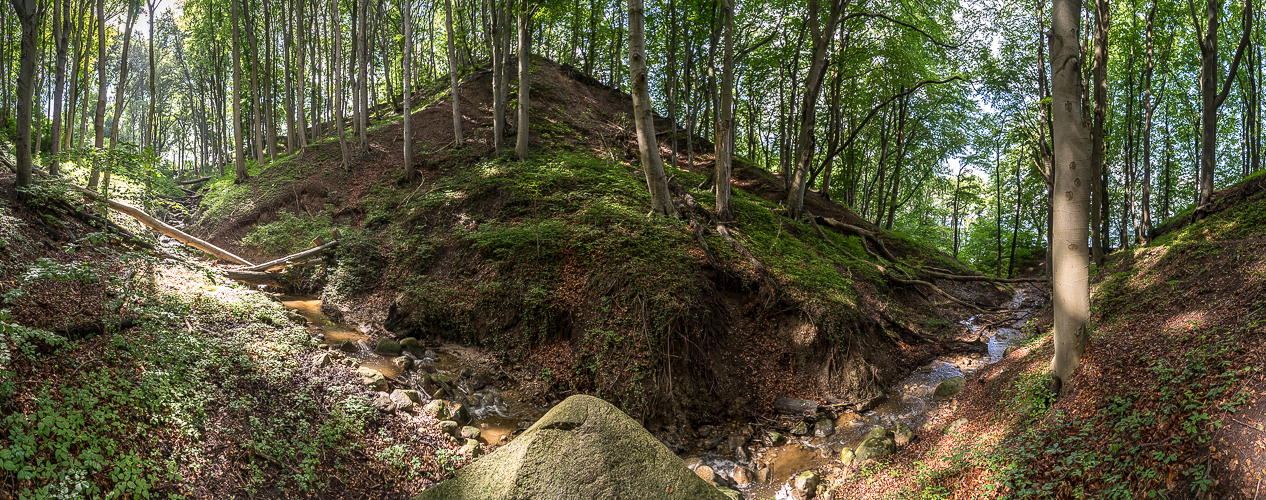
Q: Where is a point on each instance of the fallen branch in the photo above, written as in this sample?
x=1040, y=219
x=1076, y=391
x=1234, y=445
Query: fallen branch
x=290, y=258
x=851, y=229
x=254, y=277
x=163, y=227
x=193, y=181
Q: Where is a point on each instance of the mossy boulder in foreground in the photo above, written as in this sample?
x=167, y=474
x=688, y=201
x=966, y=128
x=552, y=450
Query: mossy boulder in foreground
x=583, y=448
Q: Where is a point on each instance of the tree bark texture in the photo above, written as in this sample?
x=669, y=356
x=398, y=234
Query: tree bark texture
x=1071, y=207
x=643, y=116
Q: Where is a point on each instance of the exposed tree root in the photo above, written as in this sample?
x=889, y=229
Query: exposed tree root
x=885, y=270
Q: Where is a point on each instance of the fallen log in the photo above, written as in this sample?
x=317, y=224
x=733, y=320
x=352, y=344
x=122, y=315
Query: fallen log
x=255, y=277
x=793, y=406
x=163, y=227
x=193, y=181
x=291, y=258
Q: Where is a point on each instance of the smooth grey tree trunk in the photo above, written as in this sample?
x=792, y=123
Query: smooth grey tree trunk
x=808, y=107
x=725, y=119
x=1211, y=99
x=98, y=122
x=1071, y=209
x=452, y=73
x=239, y=158
x=28, y=18
x=643, y=116
x=525, y=59
x=406, y=60
x=1103, y=23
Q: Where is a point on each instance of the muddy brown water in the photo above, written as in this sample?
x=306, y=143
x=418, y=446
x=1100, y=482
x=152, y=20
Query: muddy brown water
x=501, y=413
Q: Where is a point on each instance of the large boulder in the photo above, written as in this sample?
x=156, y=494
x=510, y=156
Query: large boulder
x=583, y=448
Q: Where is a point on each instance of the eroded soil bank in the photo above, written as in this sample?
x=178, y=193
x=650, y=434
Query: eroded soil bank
x=758, y=456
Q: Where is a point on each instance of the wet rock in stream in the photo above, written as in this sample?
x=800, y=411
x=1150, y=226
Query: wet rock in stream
x=878, y=443
x=372, y=378
x=950, y=387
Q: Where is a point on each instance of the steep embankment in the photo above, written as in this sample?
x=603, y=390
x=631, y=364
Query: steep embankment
x=553, y=265
x=1170, y=399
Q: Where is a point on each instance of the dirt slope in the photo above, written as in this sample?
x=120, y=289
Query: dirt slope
x=1170, y=399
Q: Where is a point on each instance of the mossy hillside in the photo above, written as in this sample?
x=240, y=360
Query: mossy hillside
x=514, y=255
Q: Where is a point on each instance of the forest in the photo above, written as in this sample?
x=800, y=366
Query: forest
x=782, y=249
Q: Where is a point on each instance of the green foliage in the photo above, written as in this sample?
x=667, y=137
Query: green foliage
x=290, y=233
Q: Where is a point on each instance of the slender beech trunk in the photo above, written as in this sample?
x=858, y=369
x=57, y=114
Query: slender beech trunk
x=406, y=65
x=336, y=71
x=362, y=62
x=98, y=122
x=257, y=125
x=61, y=38
x=725, y=116
x=1071, y=172
x=525, y=57
x=133, y=11
x=1211, y=99
x=455, y=95
x=239, y=155
x=1103, y=23
x=813, y=86
x=1145, y=229
x=28, y=19
x=643, y=115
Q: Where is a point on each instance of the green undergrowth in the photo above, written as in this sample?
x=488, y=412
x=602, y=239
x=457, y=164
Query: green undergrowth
x=130, y=414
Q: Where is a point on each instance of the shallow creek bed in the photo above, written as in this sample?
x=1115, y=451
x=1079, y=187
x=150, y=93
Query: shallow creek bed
x=761, y=460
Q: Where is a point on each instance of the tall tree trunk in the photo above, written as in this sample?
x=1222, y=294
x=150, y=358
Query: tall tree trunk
x=1015, y=228
x=301, y=95
x=362, y=60
x=406, y=65
x=813, y=86
x=336, y=71
x=61, y=38
x=28, y=18
x=150, y=124
x=498, y=73
x=725, y=116
x=98, y=122
x=239, y=155
x=257, y=125
x=1071, y=171
x=132, y=12
x=1146, y=206
x=455, y=95
x=1211, y=99
x=1103, y=23
x=525, y=56
x=643, y=115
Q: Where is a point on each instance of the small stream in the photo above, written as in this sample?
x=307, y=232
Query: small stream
x=910, y=401
x=500, y=413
